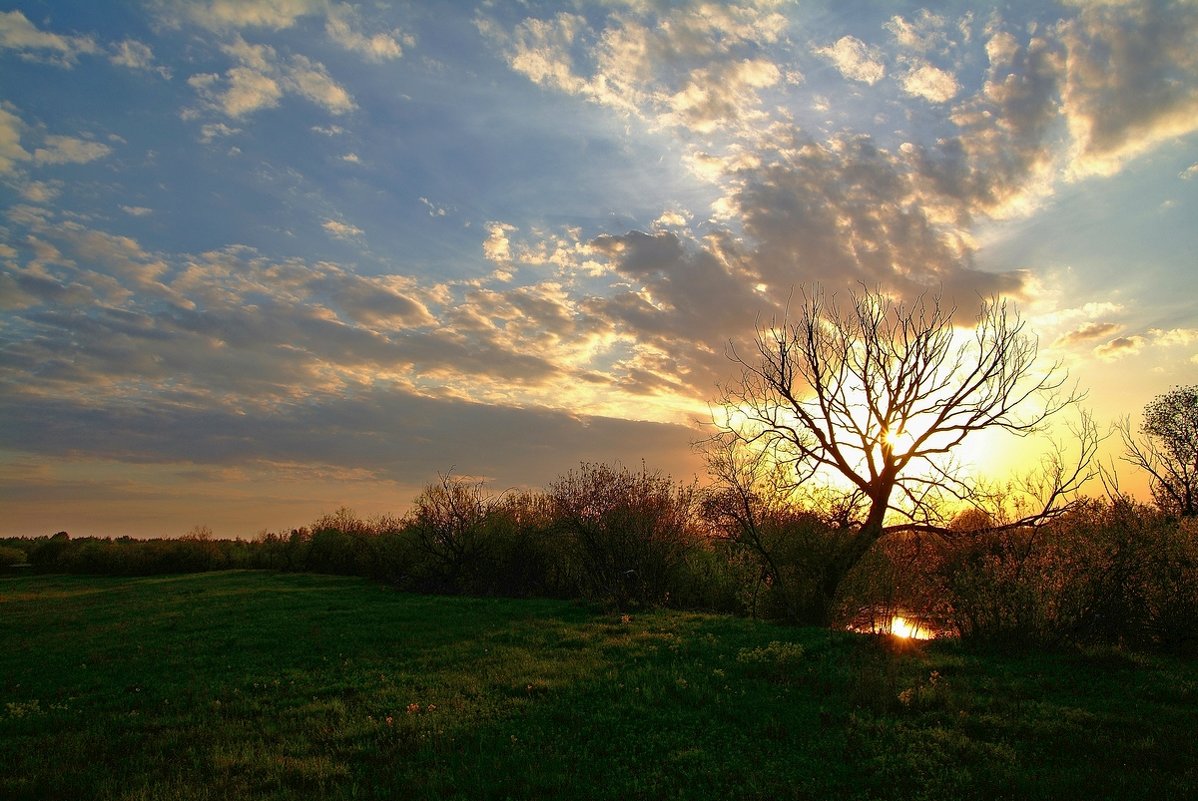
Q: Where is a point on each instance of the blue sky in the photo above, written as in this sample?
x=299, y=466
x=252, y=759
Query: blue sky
x=261, y=259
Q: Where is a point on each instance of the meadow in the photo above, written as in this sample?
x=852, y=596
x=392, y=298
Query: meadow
x=264, y=685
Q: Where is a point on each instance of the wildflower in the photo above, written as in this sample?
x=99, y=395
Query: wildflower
x=413, y=709
x=432, y=708
x=625, y=619
x=390, y=721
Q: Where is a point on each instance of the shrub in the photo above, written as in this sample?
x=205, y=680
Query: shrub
x=11, y=556
x=629, y=533
x=447, y=526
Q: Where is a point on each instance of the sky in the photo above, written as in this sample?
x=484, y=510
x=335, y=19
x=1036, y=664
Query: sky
x=260, y=259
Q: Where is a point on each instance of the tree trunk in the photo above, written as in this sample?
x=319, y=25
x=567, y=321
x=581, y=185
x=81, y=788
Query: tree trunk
x=850, y=554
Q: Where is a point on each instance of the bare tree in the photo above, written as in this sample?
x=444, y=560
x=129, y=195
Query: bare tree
x=1168, y=449
x=869, y=399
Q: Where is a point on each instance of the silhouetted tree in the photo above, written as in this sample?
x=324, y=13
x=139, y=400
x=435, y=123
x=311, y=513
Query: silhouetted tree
x=1168, y=449
x=876, y=393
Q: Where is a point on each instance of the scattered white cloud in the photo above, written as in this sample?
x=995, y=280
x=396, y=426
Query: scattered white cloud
x=1153, y=337
x=1189, y=172
x=342, y=230
x=925, y=33
x=136, y=56
x=41, y=191
x=352, y=158
x=232, y=14
x=262, y=78
x=310, y=79
x=497, y=247
x=216, y=130
x=137, y=211
x=433, y=209
x=673, y=66
x=929, y=82
x=341, y=27
x=11, y=151
x=343, y=22
x=1001, y=49
x=19, y=34
x=671, y=219
x=855, y=59
x=242, y=91
x=69, y=150
x=1173, y=337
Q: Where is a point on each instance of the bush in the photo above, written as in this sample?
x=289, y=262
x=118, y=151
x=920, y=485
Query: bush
x=10, y=556
x=1114, y=572
x=629, y=533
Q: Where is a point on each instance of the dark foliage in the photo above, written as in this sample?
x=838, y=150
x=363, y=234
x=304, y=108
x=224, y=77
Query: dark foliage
x=1113, y=572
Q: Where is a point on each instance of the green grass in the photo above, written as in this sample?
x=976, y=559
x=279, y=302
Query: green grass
x=258, y=685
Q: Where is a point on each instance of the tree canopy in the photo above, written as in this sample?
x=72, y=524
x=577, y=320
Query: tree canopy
x=1168, y=449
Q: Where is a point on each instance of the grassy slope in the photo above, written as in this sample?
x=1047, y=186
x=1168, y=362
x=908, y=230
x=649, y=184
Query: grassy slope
x=296, y=686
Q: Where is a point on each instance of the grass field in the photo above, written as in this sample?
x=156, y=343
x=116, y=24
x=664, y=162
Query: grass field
x=262, y=685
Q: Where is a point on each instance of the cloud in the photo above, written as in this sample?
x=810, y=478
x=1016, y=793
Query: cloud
x=340, y=26
x=342, y=230
x=1003, y=156
x=389, y=432
x=855, y=59
x=69, y=150
x=137, y=211
x=712, y=97
x=497, y=247
x=1120, y=347
x=342, y=22
x=672, y=66
x=19, y=34
x=136, y=56
x=848, y=211
x=1173, y=337
x=11, y=151
x=213, y=130
x=1189, y=172
x=41, y=191
x=929, y=82
x=310, y=79
x=1088, y=332
x=1131, y=80
x=232, y=14
x=925, y=33
x=262, y=78
x=244, y=91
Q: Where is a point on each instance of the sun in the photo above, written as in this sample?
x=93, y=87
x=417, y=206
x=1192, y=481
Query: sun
x=908, y=629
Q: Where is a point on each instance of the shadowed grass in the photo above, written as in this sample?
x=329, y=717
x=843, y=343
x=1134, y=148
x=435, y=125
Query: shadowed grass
x=260, y=685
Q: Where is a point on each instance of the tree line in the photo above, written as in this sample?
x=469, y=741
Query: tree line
x=835, y=499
